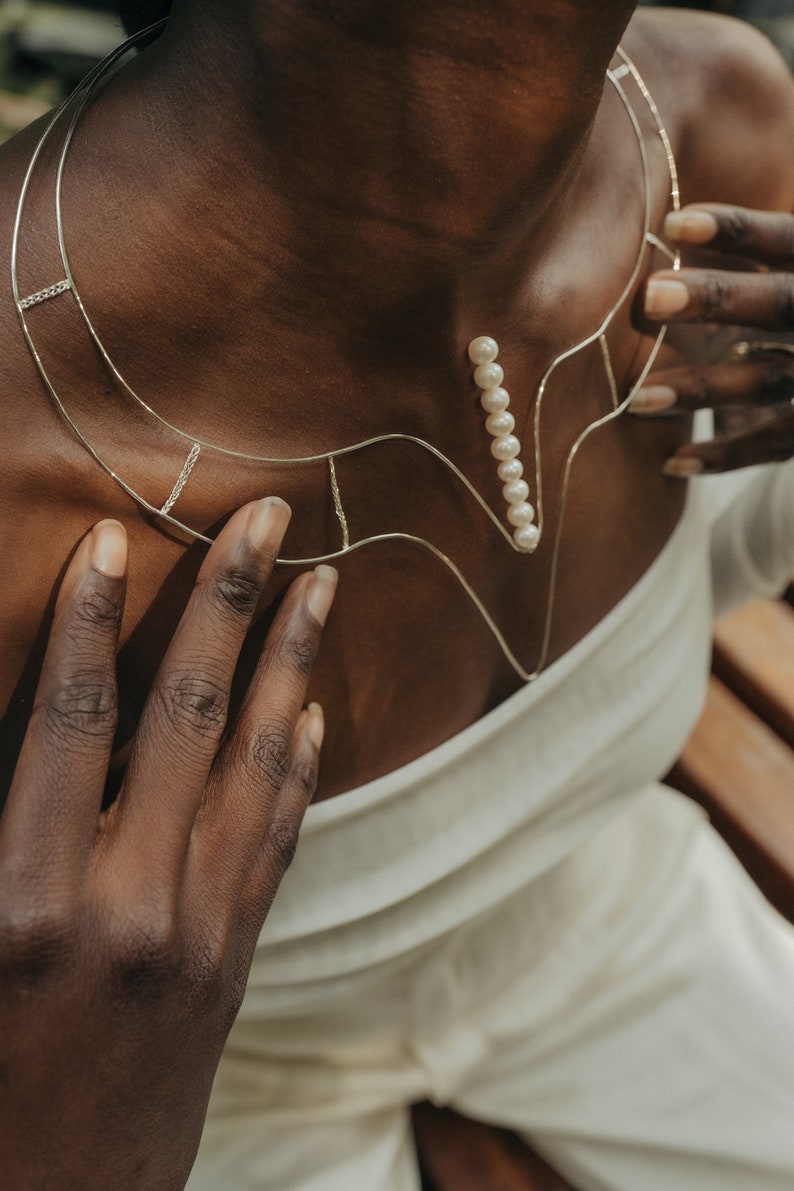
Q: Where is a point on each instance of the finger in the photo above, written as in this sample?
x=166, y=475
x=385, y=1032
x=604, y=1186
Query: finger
x=246, y=915
x=185, y=713
x=253, y=777
x=720, y=296
x=280, y=840
x=771, y=442
x=764, y=380
x=763, y=237
x=56, y=793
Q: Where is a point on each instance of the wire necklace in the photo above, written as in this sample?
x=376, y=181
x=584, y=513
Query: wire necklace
x=522, y=534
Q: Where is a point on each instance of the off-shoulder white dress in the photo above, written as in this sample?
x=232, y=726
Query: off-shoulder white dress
x=524, y=924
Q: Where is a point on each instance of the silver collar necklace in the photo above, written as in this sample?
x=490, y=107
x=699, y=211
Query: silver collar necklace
x=525, y=521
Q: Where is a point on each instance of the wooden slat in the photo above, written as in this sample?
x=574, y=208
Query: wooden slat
x=743, y=774
x=754, y=657
x=457, y=1154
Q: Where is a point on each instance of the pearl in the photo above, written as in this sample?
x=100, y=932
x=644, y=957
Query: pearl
x=526, y=537
x=488, y=376
x=511, y=469
x=483, y=349
x=494, y=400
x=505, y=447
x=521, y=514
x=499, y=424
x=516, y=492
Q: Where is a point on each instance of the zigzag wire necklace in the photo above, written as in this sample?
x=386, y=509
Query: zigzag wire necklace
x=81, y=97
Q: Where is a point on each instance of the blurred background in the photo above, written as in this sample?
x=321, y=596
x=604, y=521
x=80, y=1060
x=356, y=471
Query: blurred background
x=45, y=48
x=47, y=45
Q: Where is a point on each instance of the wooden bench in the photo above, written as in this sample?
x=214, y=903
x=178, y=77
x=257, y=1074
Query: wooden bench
x=739, y=762
x=739, y=765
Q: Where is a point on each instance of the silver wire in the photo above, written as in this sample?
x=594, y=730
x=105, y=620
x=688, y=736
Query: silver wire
x=82, y=95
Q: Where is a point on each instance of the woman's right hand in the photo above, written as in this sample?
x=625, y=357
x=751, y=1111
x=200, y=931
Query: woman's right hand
x=126, y=936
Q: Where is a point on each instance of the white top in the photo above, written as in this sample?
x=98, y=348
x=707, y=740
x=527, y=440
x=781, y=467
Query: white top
x=392, y=865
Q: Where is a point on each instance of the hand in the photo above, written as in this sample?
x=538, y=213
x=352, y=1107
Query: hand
x=757, y=385
x=126, y=936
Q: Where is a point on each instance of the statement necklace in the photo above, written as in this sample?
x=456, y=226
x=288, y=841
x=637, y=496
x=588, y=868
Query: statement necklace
x=525, y=527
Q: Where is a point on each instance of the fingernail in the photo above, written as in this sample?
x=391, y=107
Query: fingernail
x=650, y=398
x=267, y=524
x=692, y=227
x=315, y=727
x=321, y=592
x=665, y=297
x=683, y=468
x=109, y=549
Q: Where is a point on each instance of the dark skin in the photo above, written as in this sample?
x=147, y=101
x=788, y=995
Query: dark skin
x=357, y=350
x=127, y=936
x=287, y=265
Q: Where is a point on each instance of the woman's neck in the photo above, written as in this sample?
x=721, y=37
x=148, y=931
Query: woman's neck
x=436, y=136
x=344, y=186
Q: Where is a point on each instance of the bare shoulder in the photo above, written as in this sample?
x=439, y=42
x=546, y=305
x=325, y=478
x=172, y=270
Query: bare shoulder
x=728, y=99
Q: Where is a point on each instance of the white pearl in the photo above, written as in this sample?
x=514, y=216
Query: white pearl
x=483, y=349
x=516, y=492
x=494, y=400
x=521, y=514
x=526, y=537
x=505, y=447
x=488, y=376
x=501, y=423
x=511, y=469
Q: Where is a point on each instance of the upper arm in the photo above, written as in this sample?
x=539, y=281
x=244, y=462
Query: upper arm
x=731, y=97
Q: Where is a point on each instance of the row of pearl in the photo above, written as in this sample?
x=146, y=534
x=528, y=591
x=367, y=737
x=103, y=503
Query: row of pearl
x=500, y=423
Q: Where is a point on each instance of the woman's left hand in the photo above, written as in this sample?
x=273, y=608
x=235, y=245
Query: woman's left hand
x=757, y=384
